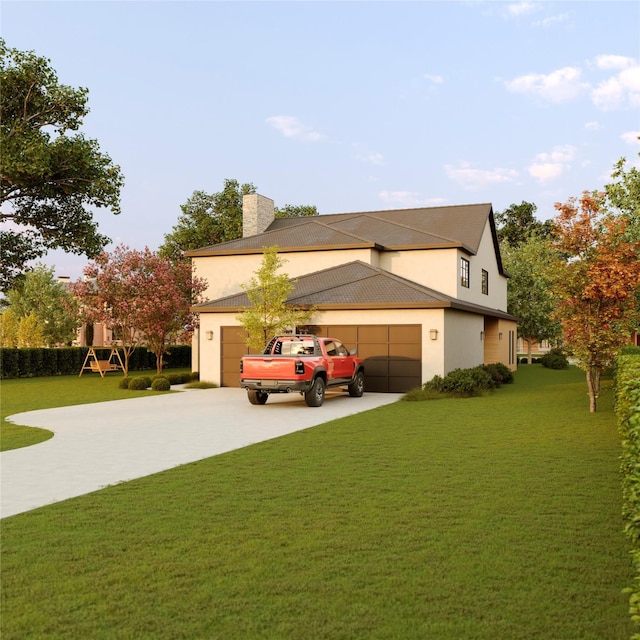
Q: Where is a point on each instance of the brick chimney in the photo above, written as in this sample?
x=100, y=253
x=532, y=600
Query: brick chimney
x=258, y=212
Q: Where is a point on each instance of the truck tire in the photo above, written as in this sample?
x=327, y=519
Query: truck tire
x=356, y=388
x=257, y=397
x=315, y=396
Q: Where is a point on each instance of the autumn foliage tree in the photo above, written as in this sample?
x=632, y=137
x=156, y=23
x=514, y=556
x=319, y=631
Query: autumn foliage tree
x=595, y=282
x=145, y=298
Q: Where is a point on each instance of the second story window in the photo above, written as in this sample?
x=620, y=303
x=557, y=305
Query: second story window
x=485, y=282
x=464, y=272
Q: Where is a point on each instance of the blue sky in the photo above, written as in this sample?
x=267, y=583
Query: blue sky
x=348, y=106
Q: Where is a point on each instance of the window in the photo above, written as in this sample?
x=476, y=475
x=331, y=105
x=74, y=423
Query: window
x=464, y=272
x=485, y=282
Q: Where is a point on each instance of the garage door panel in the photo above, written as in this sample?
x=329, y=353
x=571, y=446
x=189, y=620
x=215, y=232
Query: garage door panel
x=411, y=333
x=405, y=368
x=376, y=367
x=372, y=351
x=402, y=385
x=400, y=350
x=376, y=334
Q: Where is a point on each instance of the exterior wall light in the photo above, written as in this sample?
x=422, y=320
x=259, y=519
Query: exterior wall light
x=500, y=336
x=482, y=335
x=433, y=334
x=209, y=335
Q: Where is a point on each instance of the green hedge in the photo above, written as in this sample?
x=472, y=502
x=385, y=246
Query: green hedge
x=32, y=362
x=627, y=394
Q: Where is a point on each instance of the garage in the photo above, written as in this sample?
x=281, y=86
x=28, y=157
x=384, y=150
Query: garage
x=392, y=353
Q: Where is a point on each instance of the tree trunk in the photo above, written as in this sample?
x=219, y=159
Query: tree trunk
x=529, y=358
x=593, y=384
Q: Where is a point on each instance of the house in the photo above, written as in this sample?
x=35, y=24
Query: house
x=418, y=292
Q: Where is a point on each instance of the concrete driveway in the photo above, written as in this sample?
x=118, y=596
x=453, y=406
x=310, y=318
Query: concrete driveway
x=97, y=445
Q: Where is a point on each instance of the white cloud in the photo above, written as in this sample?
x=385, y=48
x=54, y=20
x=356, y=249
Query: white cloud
x=620, y=91
x=561, y=85
x=434, y=78
x=551, y=20
x=592, y=126
x=551, y=165
x=408, y=199
x=630, y=137
x=291, y=127
x=471, y=178
x=372, y=157
x=614, y=62
x=520, y=8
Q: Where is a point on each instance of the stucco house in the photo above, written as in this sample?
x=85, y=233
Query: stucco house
x=418, y=292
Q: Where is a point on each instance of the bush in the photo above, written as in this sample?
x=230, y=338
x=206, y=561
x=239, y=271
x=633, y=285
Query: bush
x=462, y=382
x=201, y=385
x=124, y=383
x=160, y=384
x=627, y=404
x=140, y=383
x=555, y=359
x=500, y=373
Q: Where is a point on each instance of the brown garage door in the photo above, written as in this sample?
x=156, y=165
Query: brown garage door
x=392, y=354
x=232, y=348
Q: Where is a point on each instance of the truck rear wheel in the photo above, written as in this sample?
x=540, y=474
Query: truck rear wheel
x=257, y=397
x=315, y=396
x=356, y=388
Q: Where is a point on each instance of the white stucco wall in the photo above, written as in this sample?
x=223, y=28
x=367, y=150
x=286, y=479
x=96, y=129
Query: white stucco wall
x=463, y=347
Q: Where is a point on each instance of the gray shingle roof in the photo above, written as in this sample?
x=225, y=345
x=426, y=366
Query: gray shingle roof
x=354, y=285
x=427, y=227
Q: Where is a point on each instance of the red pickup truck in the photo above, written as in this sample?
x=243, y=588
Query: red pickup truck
x=303, y=363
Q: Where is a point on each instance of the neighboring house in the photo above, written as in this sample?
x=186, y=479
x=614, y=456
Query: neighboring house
x=418, y=292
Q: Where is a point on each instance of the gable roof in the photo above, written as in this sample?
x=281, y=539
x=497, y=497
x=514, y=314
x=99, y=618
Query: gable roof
x=459, y=226
x=355, y=285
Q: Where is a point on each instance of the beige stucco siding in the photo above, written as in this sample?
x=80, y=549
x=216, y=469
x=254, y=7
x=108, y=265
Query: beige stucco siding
x=485, y=259
x=433, y=268
x=226, y=274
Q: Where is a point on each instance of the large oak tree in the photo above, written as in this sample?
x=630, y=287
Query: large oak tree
x=51, y=176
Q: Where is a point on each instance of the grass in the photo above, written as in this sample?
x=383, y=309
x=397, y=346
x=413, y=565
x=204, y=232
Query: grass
x=27, y=394
x=480, y=518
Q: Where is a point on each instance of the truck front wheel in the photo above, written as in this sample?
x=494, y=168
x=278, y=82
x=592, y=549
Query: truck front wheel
x=257, y=397
x=356, y=388
x=315, y=396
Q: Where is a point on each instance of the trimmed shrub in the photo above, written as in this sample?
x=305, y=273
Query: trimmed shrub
x=173, y=378
x=627, y=399
x=160, y=384
x=124, y=383
x=140, y=383
x=195, y=376
x=462, y=382
x=500, y=373
x=197, y=384
x=555, y=359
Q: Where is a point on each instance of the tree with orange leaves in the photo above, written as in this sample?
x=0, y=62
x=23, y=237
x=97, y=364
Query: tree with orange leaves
x=595, y=283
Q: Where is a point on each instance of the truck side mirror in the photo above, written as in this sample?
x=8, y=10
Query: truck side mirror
x=353, y=352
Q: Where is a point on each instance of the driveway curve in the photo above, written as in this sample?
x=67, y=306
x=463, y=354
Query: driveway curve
x=97, y=445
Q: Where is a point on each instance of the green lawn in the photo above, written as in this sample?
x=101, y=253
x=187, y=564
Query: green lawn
x=481, y=518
